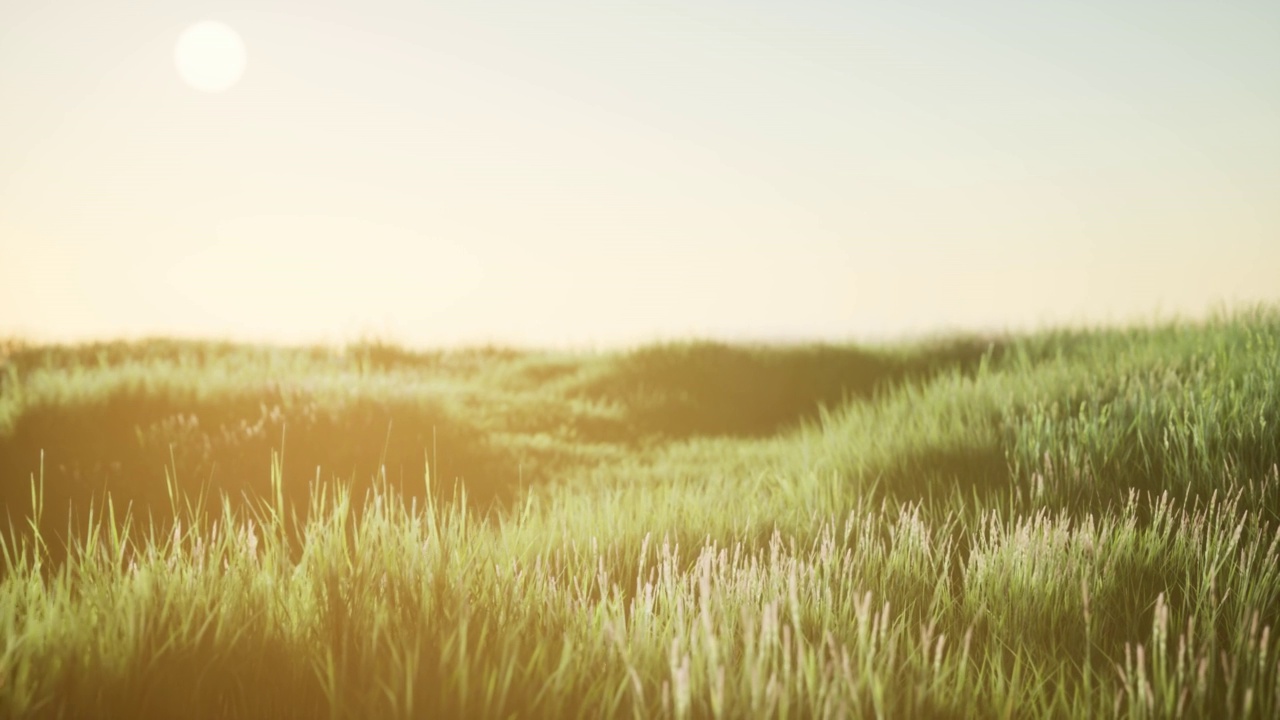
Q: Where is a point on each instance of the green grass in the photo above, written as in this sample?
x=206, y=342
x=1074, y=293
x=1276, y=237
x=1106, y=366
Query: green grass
x=1065, y=524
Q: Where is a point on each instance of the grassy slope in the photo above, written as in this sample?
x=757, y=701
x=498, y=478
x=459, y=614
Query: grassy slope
x=1075, y=524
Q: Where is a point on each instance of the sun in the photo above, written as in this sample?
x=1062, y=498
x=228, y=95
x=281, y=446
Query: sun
x=210, y=56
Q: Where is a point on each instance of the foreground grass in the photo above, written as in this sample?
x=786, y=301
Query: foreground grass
x=1070, y=524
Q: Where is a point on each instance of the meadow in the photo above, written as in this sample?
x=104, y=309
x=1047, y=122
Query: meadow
x=1066, y=523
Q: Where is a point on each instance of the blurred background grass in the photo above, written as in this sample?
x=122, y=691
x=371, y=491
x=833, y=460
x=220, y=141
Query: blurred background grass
x=118, y=416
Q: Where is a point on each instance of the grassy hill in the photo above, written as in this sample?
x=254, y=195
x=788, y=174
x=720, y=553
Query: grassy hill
x=1072, y=523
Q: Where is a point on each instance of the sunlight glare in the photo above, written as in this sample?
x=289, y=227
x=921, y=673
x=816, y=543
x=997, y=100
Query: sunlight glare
x=291, y=277
x=210, y=56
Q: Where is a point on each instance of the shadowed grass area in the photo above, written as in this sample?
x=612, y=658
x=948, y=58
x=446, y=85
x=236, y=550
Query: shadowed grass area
x=1081, y=524
x=681, y=390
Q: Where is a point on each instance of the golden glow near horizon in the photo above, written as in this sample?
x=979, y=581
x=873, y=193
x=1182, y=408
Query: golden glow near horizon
x=582, y=173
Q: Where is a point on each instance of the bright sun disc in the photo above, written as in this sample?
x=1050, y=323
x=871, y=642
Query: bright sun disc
x=210, y=56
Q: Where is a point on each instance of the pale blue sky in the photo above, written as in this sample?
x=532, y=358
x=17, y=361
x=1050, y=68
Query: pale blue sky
x=613, y=172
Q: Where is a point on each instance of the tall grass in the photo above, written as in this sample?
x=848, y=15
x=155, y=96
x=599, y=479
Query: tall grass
x=1069, y=524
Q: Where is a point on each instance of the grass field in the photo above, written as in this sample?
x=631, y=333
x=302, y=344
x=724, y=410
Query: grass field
x=1069, y=524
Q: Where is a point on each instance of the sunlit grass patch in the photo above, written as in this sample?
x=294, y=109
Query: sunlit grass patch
x=1076, y=525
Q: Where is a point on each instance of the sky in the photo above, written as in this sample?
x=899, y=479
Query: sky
x=604, y=172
